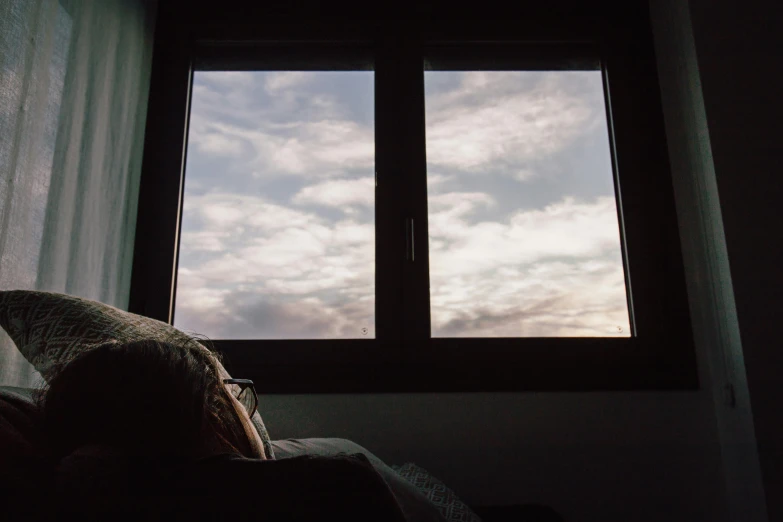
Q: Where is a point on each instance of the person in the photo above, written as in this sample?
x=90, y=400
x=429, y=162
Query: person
x=152, y=430
x=147, y=398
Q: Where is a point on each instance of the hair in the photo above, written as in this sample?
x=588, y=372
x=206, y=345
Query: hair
x=144, y=398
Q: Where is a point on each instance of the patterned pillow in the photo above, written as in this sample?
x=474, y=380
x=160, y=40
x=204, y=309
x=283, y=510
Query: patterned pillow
x=51, y=329
x=450, y=506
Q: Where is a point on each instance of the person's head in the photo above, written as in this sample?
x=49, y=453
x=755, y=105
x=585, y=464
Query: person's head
x=147, y=398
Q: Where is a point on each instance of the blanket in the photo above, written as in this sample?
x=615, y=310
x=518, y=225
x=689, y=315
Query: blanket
x=221, y=488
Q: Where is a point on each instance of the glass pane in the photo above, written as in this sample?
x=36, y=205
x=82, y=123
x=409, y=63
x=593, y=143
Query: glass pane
x=278, y=233
x=523, y=230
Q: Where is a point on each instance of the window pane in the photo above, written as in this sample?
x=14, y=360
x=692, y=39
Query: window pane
x=278, y=234
x=523, y=230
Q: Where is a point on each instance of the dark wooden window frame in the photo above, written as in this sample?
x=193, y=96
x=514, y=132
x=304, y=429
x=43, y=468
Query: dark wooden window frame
x=403, y=357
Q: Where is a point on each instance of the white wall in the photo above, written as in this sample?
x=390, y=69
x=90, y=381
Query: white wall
x=597, y=456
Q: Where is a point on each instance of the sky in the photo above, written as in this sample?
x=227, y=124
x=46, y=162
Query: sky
x=278, y=220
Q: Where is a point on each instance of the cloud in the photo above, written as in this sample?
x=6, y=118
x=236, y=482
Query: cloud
x=280, y=257
x=555, y=271
x=217, y=210
x=549, y=272
x=524, y=174
x=205, y=240
x=447, y=212
x=248, y=314
x=309, y=318
x=218, y=144
x=437, y=183
x=275, y=81
x=339, y=193
x=258, y=267
x=506, y=120
x=554, y=299
x=191, y=289
x=289, y=128
x=566, y=228
x=288, y=266
x=308, y=149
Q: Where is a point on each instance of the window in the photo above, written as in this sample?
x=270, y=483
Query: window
x=524, y=239
x=278, y=214
x=388, y=208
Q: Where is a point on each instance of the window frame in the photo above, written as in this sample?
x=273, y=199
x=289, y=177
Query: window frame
x=403, y=357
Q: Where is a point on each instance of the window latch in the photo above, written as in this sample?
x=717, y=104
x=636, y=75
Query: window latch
x=409, y=239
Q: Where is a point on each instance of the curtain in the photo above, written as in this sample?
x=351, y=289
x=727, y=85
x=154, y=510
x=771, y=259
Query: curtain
x=74, y=82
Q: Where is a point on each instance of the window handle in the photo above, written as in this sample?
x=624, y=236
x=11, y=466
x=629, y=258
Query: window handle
x=409, y=239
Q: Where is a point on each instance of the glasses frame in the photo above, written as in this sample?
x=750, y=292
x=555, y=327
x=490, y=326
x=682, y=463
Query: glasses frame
x=243, y=385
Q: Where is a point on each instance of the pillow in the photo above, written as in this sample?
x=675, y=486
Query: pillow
x=51, y=329
x=448, y=503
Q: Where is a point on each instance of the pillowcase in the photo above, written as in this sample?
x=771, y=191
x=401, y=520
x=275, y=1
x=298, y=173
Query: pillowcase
x=51, y=329
x=450, y=506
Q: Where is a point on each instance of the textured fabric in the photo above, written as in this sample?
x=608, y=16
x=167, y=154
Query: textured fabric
x=436, y=491
x=415, y=505
x=51, y=329
x=74, y=83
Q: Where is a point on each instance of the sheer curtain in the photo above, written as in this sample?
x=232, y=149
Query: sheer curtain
x=74, y=81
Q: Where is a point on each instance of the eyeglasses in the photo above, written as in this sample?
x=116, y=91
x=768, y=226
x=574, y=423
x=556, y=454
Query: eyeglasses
x=243, y=391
